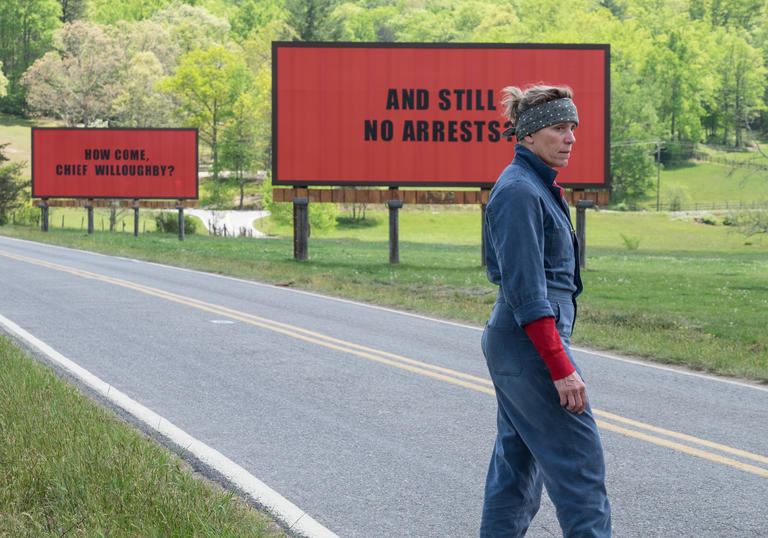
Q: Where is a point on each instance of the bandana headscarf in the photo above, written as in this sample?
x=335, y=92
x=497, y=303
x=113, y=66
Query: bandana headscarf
x=544, y=115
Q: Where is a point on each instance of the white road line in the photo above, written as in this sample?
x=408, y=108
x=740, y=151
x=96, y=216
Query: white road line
x=278, y=506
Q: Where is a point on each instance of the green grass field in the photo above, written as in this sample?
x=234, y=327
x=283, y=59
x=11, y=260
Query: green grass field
x=706, y=183
x=68, y=467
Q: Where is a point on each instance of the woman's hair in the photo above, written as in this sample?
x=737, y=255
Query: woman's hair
x=515, y=101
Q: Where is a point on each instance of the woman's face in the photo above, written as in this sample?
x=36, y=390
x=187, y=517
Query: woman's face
x=553, y=144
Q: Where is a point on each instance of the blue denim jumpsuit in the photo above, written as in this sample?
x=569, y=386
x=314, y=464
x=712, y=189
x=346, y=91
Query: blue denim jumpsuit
x=531, y=254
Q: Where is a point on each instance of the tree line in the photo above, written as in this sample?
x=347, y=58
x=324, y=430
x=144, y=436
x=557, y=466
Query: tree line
x=682, y=71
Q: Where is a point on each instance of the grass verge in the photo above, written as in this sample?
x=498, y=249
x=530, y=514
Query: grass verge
x=68, y=467
x=687, y=293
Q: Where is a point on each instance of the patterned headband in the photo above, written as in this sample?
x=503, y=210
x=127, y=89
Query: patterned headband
x=544, y=115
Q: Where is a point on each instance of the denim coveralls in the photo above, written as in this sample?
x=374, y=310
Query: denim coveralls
x=531, y=253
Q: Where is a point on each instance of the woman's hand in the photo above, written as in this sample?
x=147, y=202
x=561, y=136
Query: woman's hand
x=573, y=393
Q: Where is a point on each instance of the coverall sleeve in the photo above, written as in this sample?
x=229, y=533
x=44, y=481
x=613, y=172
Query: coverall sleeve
x=515, y=219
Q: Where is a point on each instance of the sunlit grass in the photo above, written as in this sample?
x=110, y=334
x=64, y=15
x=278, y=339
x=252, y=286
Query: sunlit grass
x=68, y=467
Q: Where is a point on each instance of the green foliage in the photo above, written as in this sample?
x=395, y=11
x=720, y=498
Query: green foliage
x=3, y=83
x=192, y=27
x=314, y=20
x=681, y=72
x=78, y=81
x=252, y=15
x=750, y=222
x=168, y=222
x=112, y=11
x=631, y=242
x=26, y=28
x=674, y=198
x=138, y=103
x=11, y=185
x=207, y=83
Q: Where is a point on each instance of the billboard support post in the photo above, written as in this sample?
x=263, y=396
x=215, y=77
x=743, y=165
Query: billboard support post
x=89, y=208
x=135, y=208
x=483, y=229
x=180, y=207
x=43, y=216
x=394, y=231
x=581, y=228
x=300, y=228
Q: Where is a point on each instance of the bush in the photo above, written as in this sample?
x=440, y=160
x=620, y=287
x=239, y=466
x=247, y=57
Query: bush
x=675, y=153
x=632, y=243
x=707, y=219
x=751, y=222
x=676, y=197
x=168, y=222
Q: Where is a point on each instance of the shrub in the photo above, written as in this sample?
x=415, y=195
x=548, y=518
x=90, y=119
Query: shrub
x=676, y=197
x=707, y=219
x=168, y=222
x=632, y=243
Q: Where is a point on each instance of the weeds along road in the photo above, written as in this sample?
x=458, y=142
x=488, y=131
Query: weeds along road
x=374, y=422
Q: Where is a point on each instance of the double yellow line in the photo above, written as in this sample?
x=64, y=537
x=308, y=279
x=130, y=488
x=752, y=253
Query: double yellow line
x=681, y=442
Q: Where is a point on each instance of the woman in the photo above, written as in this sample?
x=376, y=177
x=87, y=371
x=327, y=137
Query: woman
x=546, y=432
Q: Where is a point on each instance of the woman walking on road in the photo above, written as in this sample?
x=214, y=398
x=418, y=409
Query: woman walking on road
x=547, y=435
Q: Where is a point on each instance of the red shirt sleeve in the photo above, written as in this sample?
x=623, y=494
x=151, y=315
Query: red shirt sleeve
x=543, y=333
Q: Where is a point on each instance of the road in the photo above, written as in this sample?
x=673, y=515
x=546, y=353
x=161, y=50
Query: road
x=235, y=223
x=378, y=423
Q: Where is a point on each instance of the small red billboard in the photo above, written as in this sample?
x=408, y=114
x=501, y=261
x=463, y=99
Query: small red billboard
x=114, y=163
x=424, y=114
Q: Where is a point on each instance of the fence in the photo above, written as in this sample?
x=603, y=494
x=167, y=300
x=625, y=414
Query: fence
x=760, y=165
x=727, y=205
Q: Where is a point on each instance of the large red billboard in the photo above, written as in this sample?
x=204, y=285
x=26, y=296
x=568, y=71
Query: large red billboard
x=114, y=163
x=424, y=114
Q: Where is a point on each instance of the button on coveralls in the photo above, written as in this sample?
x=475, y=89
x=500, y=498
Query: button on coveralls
x=531, y=254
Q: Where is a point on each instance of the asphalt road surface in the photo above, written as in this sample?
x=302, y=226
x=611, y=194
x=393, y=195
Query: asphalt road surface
x=379, y=423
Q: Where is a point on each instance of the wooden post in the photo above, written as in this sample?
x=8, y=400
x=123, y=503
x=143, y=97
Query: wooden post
x=300, y=228
x=43, y=215
x=394, y=231
x=89, y=208
x=581, y=229
x=135, y=208
x=180, y=207
x=483, y=230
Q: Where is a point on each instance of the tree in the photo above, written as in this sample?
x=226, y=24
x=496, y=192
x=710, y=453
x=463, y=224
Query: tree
x=139, y=103
x=207, y=83
x=314, y=20
x=72, y=10
x=255, y=14
x=76, y=82
x=3, y=83
x=739, y=74
x=147, y=36
x=239, y=148
x=111, y=11
x=26, y=28
x=192, y=27
x=676, y=73
x=11, y=185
